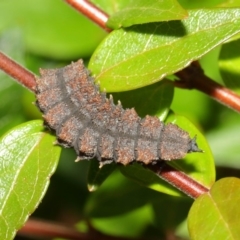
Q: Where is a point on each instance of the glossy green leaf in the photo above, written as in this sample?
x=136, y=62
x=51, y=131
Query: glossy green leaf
x=199, y=166
x=145, y=11
x=97, y=175
x=215, y=215
x=51, y=28
x=27, y=161
x=143, y=54
x=229, y=62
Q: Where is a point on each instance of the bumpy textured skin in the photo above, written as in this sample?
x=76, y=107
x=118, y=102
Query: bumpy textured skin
x=83, y=118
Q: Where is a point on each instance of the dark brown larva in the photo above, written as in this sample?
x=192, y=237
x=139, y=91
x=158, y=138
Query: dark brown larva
x=86, y=120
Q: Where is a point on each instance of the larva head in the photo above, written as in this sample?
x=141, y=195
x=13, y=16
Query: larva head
x=176, y=143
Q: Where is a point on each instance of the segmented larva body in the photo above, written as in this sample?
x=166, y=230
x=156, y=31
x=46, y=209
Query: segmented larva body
x=83, y=118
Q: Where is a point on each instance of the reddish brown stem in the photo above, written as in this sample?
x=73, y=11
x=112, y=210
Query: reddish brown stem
x=91, y=11
x=178, y=179
x=193, y=77
x=45, y=229
x=22, y=75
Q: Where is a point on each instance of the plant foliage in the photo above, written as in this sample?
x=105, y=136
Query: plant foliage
x=136, y=62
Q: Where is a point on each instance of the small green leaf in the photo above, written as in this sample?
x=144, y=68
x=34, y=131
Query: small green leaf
x=97, y=175
x=199, y=166
x=26, y=162
x=215, y=215
x=229, y=62
x=143, y=54
x=145, y=11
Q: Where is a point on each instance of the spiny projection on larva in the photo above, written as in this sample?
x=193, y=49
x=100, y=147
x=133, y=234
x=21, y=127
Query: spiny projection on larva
x=85, y=119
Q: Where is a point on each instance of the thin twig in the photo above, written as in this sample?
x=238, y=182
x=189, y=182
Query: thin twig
x=45, y=229
x=19, y=73
x=193, y=77
x=91, y=11
x=34, y=227
x=178, y=179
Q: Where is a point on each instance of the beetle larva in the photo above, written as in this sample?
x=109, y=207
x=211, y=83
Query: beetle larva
x=88, y=121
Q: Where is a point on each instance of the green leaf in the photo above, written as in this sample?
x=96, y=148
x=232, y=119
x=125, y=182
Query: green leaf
x=26, y=163
x=145, y=11
x=51, y=28
x=229, y=63
x=215, y=215
x=199, y=166
x=97, y=175
x=143, y=54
